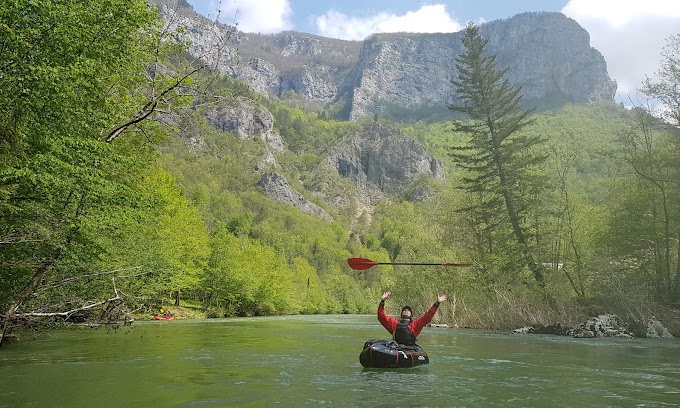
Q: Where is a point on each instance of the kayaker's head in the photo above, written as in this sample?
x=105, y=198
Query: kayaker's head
x=406, y=312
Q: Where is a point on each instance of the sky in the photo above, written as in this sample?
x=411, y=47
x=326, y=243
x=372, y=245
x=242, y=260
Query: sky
x=629, y=33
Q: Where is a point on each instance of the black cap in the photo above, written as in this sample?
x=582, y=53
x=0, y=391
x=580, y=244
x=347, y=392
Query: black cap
x=407, y=308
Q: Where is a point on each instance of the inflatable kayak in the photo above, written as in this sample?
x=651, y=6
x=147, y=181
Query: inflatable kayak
x=390, y=354
x=164, y=318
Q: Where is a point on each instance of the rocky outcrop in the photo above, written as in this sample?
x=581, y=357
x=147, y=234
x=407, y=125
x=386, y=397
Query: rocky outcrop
x=656, y=330
x=606, y=325
x=248, y=120
x=547, y=54
x=313, y=67
x=382, y=161
x=276, y=187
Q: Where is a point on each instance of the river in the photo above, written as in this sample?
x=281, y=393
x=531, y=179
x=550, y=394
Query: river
x=313, y=361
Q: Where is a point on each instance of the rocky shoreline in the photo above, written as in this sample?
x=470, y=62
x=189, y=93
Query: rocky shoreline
x=606, y=325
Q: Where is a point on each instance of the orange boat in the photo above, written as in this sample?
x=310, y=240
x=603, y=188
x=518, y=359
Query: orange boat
x=164, y=318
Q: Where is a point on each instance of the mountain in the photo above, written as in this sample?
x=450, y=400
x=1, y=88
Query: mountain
x=402, y=76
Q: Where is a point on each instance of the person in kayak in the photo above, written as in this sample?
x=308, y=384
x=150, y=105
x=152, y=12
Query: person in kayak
x=406, y=329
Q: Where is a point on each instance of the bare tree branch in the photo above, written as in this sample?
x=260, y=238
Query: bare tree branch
x=69, y=312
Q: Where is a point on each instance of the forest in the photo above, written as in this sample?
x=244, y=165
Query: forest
x=118, y=198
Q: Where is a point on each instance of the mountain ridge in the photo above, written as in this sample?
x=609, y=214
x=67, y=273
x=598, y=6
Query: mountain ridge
x=405, y=76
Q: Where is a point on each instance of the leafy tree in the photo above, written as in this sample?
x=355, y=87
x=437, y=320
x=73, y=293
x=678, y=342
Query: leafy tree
x=573, y=214
x=645, y=220
x=502, y=162
x=65, y=72
x=666, y=90
x=165, y=240
x=74, y=77
x=247, y=278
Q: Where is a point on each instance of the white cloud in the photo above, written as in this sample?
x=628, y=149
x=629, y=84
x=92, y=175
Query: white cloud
x=258, y=16
x=428, y=19
x=629, y=33
x=618, y=13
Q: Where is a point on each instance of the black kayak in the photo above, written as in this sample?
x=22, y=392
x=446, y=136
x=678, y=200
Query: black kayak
x=390, y=354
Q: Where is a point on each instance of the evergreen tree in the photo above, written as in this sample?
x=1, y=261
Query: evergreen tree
x=500, y=160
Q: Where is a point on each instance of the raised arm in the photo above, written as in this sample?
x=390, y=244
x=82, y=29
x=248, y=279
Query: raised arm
x=418, y=324
x=388, y=322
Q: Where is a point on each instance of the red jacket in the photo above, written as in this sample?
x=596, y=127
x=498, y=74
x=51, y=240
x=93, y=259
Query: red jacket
x=415, y=327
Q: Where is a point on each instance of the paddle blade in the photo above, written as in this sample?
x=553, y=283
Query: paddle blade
x=360, y=264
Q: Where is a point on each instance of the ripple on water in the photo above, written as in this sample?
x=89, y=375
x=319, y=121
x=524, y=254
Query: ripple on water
x=313, y=361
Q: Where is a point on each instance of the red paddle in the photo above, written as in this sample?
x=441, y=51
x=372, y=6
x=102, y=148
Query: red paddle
x=361, y=264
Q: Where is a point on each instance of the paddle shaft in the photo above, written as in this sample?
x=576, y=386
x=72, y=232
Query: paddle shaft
x=412, y=263
x=361, y=264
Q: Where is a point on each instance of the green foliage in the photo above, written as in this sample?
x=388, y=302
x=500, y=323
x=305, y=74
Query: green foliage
x=644, y=220
x=62, y=60
x=97, y=202
x=304, y=132
x=663, y=88
x=220, y=180
x=503, y=164
x=247, y=278
x=166, y=241
x=72, y=73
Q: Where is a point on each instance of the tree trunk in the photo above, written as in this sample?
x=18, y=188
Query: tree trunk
x=27, y=291
x=519, y=232
x=38, y=276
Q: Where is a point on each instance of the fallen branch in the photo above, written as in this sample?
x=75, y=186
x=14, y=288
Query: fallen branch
x=67, y=313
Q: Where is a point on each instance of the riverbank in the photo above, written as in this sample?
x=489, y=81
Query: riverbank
x=604, y=325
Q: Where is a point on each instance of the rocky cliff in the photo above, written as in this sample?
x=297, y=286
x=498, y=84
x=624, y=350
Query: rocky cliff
x=547, y=54
x=276, y=187
x=382, y=161
x=403, y=75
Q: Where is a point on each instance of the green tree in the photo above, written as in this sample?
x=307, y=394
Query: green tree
x=247, y=278
x=665, y=89
x=74, y=77
x=165, y=239
x=65, y=72
x=645, y=220
x=502, y=163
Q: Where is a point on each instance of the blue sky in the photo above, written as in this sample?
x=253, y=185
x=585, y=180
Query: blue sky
x=629, y=33
x=271, y=16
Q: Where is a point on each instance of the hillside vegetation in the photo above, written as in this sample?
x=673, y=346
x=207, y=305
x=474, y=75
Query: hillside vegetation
x=115, y=202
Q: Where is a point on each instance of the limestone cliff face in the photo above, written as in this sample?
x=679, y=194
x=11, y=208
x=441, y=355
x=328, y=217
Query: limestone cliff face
x=311, y=66
x=382, y=161
x=409, y=71
x=276, y=187
x=248, y=120
x=548, y=54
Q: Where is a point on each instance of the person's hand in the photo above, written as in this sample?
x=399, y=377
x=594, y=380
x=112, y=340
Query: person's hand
x=441, y=298
x=386, y=295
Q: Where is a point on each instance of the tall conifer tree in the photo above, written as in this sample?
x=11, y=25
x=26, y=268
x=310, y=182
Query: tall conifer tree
x=500, y=160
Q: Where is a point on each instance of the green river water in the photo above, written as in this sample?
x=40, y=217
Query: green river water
x=313, y=361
